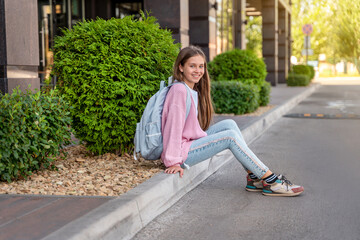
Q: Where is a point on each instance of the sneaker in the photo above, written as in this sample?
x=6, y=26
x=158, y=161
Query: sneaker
x=281, y=188
x=253, y=185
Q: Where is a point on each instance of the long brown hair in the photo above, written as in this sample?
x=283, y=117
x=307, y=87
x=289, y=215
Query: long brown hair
x=203, y=88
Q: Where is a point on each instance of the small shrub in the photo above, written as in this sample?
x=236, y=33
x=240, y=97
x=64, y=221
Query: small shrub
x=241, y=66
x=33, y=129
x=234, y=97
x=264, y=97
x=238, y=65
x=302, y=70
x=297, y=79
x=312, y=72
x=108, y=70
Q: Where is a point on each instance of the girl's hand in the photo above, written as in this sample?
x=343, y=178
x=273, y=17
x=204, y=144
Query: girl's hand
x=175, y=169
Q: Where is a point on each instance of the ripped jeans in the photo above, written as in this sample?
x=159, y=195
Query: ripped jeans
x=220, y=136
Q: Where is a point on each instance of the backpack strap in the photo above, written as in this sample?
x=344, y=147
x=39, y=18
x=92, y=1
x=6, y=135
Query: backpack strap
x=170, y=80
x=188, y=98
x=188, y=102
x=162, y=84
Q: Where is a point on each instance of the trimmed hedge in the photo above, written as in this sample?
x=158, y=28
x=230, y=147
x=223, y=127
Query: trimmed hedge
x=297, y=79
x=241, y=66
x=312, y=72
x=301, y=69
x=234, y=97
x=108, y=70
x=238, y=65
x=304, y=70
x=33, y=129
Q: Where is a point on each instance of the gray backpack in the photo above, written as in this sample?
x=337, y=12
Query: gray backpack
x=148, y=139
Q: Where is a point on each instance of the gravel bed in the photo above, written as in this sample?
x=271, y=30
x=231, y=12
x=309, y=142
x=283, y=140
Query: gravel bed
x=83, y=174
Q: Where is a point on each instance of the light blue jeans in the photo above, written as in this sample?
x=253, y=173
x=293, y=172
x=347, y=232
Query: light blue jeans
x=220, y=136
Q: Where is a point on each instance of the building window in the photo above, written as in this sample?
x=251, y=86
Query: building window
x=55, y=15
x=77, y=13
x=224, y=25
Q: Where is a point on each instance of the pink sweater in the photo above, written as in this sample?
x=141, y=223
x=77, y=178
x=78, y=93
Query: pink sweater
x=178, y=134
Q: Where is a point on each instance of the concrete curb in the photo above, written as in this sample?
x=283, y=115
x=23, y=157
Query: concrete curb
x=123, y=217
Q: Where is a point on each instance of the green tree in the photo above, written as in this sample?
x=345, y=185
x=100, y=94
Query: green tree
x=254, y=35
x=319, y=13
x=347, y=30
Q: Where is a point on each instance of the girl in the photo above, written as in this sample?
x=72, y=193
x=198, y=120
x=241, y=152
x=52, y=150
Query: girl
x=188, y=142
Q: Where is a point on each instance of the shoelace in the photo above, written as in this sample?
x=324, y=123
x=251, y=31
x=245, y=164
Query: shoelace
x=283, y=180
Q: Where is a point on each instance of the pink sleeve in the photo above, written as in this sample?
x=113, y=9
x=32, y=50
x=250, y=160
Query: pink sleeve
x=173, y=122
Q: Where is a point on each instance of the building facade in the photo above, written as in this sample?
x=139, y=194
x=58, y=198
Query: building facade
x=28, y=28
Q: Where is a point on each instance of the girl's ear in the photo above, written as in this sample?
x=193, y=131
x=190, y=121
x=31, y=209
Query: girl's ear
x=181, y=68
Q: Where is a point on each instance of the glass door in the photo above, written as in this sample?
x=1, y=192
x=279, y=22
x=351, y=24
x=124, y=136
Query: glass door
x=45, y=36
x=55, y=15
x=77, y=9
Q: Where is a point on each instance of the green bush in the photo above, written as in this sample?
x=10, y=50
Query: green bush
x=238, y=65
x=108, y=70
x=245, y=67
x=302, y=70
x=33, y=129
x=234, y=97
x=312, y=72
x=294, y=79
x=264, y=97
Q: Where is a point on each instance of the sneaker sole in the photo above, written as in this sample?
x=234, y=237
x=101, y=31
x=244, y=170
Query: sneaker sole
x=282, y=194
x=253, y=189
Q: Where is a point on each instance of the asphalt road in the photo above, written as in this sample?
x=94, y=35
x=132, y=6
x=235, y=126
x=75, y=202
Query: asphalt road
x=320, y=150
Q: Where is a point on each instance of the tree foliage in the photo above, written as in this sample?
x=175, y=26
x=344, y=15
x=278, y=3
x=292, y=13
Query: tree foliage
x=254, y=34
x=336, y=27
x=347, y=30
x=319, y=13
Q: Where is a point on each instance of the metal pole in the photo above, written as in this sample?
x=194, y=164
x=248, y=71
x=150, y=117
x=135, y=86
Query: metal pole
x=52, y=22
x=42, y=61
x=306, y=47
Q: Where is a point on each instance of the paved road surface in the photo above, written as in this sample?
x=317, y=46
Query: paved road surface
x=321, y=154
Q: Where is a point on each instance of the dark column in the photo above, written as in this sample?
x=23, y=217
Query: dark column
x=103, y=9
x=283, y=45
x=3, y=71
x=270, y=39
x=90, y=9
x=19, y=45
x=173, y=15
x=203, y=26
x=239, y=23
x=99, y=8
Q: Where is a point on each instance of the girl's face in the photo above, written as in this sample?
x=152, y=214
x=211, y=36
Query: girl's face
x=193, y=70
